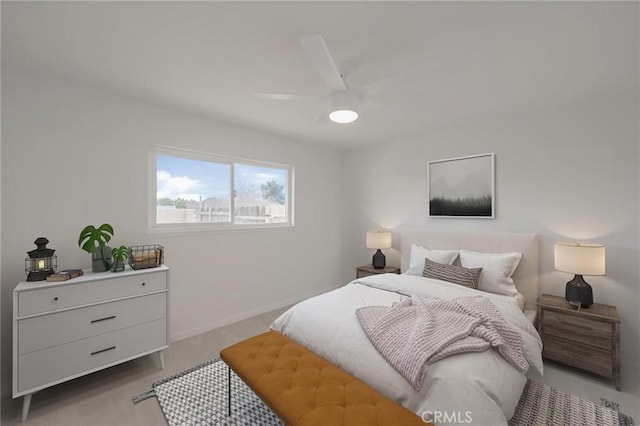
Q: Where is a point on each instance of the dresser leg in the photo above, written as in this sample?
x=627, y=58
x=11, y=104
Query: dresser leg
x=161, y=356
x=26, y=403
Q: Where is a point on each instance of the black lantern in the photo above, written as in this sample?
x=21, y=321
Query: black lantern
x=41, y=262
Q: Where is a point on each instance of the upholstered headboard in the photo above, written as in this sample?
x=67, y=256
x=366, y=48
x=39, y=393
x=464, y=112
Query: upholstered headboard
x=525, y=276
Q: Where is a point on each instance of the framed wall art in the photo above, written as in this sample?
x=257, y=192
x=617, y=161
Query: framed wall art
x=462, y=187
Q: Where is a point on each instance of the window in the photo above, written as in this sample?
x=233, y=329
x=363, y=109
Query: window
x=197, y=191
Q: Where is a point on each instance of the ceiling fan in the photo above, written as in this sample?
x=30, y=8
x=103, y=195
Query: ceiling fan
x=343, y=101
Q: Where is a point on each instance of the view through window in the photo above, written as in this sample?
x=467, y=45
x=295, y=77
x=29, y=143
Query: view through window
x=196, y=189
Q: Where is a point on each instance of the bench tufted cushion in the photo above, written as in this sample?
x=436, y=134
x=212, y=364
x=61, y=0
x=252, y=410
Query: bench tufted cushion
x=304, y=389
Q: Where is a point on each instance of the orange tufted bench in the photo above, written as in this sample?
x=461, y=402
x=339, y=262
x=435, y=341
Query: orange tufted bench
x=304, y=389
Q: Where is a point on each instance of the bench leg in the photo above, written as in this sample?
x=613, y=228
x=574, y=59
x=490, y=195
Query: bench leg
x=229, y=394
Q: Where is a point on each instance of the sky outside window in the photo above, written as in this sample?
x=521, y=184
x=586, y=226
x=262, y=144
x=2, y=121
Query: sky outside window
x=191, y=179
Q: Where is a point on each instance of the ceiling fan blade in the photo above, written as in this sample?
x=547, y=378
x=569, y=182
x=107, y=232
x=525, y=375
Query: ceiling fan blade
x=400, y=77
x=367, y=103
x=317, y=50
x=286, y=96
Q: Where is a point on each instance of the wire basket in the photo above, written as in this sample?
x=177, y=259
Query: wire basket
x=147, y=256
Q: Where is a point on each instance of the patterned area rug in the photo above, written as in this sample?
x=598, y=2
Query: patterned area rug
x=546, y=406
x=199, y=397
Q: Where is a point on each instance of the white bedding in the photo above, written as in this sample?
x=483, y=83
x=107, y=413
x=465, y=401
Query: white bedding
x=473, y=388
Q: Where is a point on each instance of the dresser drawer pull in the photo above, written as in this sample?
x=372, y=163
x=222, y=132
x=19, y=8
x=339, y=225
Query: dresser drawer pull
x=55, y=299
x=102, y=350
x=143, y=284
x=103, y=319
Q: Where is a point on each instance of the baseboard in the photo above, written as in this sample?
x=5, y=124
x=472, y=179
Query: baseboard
x=245, y=315
x=630, y=375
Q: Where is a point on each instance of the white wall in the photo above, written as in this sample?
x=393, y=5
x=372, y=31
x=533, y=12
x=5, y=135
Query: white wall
x=569, y=173
x=75, y=156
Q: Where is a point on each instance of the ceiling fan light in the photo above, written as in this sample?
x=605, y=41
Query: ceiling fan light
x=343, y=116
x=342, y=108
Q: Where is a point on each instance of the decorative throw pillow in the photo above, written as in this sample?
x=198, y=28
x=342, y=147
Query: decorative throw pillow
x=497, y=269
x=452, y=273
x=419, y=254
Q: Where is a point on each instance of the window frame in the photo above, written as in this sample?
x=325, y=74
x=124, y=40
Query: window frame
x=200, y=227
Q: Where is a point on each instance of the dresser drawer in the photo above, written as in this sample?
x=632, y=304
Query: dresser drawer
x=578, y=329
x=81, y=293
x=77, y=358
x=48, y=330
x=574, y=354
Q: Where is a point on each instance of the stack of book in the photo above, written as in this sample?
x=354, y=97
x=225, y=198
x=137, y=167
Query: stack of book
x=65, y=274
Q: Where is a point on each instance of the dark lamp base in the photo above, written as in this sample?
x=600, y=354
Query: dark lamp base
x=39, y=275
x=378, y=261
x=577, y=290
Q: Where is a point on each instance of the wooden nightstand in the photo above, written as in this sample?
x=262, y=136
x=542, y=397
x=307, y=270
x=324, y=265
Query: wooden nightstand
x=366, y=270
x=588, y=338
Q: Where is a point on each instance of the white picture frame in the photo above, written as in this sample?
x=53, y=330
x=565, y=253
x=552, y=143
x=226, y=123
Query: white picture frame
x=462, y=187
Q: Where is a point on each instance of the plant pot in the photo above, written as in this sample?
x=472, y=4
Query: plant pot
x=101, y=259
x=118, y=266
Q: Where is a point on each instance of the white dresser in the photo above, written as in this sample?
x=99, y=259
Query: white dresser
x=63, y=330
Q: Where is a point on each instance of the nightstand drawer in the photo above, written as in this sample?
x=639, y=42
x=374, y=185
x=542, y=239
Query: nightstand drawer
x=63, y=327
x=67, y=296
x=578, y=329
x=76, y=358
x=577, y=355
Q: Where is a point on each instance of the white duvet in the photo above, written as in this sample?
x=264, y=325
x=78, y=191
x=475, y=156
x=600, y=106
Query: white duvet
x=471, y=388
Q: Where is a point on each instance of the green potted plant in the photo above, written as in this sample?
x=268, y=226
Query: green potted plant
x=120, y=255
x=94, y=241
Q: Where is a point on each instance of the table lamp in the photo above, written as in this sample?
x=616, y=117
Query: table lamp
x=579, y=259
x=378, y=240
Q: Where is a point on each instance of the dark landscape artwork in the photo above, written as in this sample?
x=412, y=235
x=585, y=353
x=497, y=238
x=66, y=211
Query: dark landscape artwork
x=462, y=187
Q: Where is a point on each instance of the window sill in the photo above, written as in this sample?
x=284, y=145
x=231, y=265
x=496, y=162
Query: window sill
x=189, y=230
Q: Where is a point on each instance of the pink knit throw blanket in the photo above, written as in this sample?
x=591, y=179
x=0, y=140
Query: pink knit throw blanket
x=420, y=330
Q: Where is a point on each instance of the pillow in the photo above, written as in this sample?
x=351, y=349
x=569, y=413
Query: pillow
x=452, y=273
x=497, y=269
x=419, y=254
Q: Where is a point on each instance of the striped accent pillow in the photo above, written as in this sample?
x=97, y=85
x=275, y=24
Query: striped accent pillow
x=468, y=277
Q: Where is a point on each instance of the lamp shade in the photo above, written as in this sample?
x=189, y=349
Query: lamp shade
x=378, y=239
x=579, y=258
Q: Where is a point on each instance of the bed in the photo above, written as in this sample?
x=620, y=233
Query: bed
x=473, y=388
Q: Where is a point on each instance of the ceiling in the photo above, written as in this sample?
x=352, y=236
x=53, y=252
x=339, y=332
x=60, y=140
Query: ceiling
x=416, y=66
